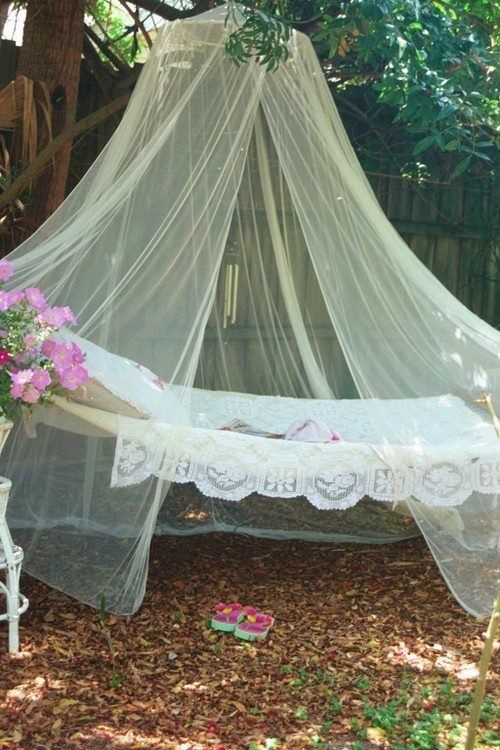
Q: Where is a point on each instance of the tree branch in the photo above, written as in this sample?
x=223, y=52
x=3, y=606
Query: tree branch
x=41, y=160
x=136, y=18
x=100, y=69
x=363, y=116
x=169, y=13
x=101, y=44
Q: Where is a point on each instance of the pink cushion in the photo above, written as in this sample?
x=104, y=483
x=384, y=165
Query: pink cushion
x=310, y=431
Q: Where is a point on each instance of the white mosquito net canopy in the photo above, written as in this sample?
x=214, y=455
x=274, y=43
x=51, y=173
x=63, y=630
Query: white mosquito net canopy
x=182, y=251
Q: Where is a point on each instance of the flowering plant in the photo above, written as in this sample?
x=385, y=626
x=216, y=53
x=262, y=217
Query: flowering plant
x=33, y=365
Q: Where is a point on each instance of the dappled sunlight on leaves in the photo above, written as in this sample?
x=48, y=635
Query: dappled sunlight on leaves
x=426, y=657
x=368, y=647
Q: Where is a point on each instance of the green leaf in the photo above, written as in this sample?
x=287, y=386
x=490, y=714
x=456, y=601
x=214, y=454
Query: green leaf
x=484, y=157
x=461, y=167
x=301, y=713
x=424, y=144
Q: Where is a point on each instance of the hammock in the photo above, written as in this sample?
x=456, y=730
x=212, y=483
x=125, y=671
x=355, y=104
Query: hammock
x=455, y=462
x=454, y=459
x=228, y=241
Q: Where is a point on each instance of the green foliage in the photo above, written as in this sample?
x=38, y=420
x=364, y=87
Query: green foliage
x=431, y=63
x=334, y=706
x=126, y=41
x=489, y=710
x=440, y=713
x=427, y=716
x=383, y=717
x=364, y=683
x=301, y=714
x=260, y=36
x=419, y=73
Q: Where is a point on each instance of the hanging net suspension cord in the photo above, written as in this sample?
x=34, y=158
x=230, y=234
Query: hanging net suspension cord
x=319, y=386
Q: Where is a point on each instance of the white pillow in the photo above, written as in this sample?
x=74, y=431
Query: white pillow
x=96, y=394
x=118, y=385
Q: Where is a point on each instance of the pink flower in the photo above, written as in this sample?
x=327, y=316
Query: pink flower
x=22, y=388
x=53, y=317
x=62, y=357
x=15, y=297
x=70, y=316
x=6, y=270
x=16, y=390
x=48, y=347
x=65, y=357
x=56, y=317
x=74, y=377
x=21, y=377
x=78, y=355
x=9, y=299
x=31, y=394
x=4, y=301
x=4, y=356
x=30, y=339
x=35, y=298
x=41, y=379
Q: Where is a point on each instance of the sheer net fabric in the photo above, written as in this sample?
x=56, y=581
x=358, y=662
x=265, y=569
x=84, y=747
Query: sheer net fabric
x=181, y=250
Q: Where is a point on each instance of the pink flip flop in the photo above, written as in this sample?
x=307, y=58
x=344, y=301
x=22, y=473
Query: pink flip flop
x=255, y=627
x=227, y=617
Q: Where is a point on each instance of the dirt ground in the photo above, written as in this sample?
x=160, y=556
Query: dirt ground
x=369, y=650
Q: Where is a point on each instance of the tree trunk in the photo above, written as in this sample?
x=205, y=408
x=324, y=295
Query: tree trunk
x=4, y=12
x=51, y=53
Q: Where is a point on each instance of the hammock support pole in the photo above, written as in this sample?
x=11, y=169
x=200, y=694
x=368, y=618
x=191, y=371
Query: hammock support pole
x=483, y=672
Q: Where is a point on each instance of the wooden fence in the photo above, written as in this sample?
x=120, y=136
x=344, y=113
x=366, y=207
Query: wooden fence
x=450, y=229
x=453, y=230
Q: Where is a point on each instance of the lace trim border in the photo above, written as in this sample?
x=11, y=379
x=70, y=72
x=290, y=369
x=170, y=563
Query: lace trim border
x=440, y=483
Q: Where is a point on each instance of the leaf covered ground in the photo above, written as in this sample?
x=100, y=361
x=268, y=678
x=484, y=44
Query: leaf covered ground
x=369, y=650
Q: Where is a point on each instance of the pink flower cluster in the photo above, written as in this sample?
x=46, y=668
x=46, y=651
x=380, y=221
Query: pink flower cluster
x=55, y=317
x=28, y=385
x=68, y=363
x=36, y=363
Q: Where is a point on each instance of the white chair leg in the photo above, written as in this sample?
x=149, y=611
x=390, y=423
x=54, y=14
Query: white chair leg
x=11, y=558
x=13, y=606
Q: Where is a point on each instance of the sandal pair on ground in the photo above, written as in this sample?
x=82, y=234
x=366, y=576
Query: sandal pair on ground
x=245, y=622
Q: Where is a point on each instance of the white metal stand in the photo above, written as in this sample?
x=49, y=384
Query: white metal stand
x=11, y=558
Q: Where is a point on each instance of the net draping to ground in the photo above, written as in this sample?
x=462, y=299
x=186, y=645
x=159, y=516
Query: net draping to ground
x=219, y=182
